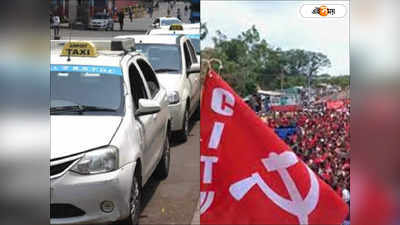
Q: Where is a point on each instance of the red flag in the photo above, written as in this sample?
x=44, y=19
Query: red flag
x=335, y=104
x=250, y=176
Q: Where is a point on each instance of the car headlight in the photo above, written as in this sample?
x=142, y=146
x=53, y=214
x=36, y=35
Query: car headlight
x=173, y=97
x=102, y=160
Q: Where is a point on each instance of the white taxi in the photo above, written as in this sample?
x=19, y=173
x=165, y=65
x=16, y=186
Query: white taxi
x=109, y=131
x=192, y=34
x=166, y=22
x=174, y=60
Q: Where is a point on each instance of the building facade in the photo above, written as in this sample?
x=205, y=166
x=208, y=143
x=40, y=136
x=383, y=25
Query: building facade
x=80, y=10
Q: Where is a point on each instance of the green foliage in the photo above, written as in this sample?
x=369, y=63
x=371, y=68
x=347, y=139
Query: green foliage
x=249, y=62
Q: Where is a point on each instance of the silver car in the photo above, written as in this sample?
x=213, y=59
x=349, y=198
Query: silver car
x=109, y=127
x=101, y=21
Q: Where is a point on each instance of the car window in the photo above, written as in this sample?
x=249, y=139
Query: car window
x=138, y=89
x=188, y=61
x=192, y=51
x=156, y=21
x=163, y=58
x=150, y=77
x=196, y=44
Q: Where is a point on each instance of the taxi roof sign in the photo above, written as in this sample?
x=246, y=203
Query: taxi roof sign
x=176, y=27
x=79, y=49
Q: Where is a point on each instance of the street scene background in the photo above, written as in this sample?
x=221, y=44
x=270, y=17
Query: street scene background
x=142, y=20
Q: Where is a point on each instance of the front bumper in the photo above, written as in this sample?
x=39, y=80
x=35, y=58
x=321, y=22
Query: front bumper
x=88, y=192
x=95, y=26
x=176, y=111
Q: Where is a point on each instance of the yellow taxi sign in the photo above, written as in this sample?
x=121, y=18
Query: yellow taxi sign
x=176, y=27
x=79, y=49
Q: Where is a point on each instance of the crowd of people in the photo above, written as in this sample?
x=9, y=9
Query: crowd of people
x=321, y=139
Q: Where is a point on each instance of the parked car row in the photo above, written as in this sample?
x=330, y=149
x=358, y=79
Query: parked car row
x=114, y=105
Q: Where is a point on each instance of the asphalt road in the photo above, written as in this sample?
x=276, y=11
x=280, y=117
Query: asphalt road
x=92, y=34
x=135, y=27
x=174, y=200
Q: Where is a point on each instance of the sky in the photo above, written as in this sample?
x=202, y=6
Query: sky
x=281, y=25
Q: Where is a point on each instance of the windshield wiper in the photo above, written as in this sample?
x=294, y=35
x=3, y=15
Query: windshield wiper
x=165, y=70
x=80, y=109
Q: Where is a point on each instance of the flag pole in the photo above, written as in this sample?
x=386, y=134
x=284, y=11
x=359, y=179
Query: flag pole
x=209, y=61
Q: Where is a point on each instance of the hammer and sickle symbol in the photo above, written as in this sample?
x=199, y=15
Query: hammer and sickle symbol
x=297, y=206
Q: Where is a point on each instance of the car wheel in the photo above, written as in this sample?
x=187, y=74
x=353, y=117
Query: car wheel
x=197, y=113
x=135, y=201
x=162, y=170
x=184, y=133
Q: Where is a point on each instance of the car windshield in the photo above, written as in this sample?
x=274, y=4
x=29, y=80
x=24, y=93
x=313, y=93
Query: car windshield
x=170, y=22
x=100, y=17
x=164, y=58
x=94, y=90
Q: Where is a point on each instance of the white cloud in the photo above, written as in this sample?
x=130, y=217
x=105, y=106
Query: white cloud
x=281, y=25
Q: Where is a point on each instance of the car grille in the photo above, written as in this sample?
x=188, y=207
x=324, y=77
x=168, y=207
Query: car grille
x=58, y=211
x=57, y=169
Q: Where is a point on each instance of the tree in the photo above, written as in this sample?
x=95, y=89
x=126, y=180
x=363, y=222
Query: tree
x=315, y=62
x=250, y=62
x=307, y=63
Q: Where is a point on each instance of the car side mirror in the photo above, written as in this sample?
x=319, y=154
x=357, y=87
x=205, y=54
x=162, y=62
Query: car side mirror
x=147, y=107
x=194, y=68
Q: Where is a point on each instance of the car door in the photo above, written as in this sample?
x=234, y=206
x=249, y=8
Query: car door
x=194, y=78
x=157, y=94
x=196, y=84
x=145, y=122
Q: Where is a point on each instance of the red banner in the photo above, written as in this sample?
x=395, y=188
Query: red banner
x=335, y=104
x=249, y=175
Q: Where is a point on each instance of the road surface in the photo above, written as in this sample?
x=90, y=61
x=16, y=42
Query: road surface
x=174, y=200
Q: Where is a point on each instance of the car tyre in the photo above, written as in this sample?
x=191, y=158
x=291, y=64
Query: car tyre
x=197, y=113
x=183, y=134
x=135, y=202
x=162, y=170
